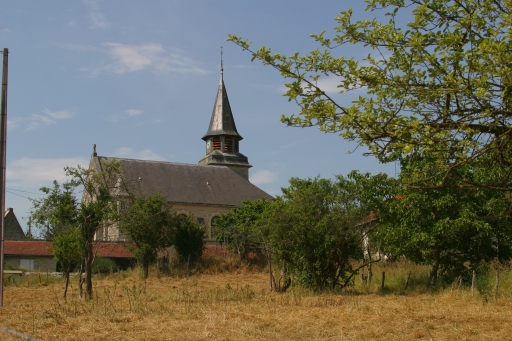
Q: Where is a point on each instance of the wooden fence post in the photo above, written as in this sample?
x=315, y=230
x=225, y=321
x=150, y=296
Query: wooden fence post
x=383, y=280
x=473, y=284
x=496, y=286
x=407, y=282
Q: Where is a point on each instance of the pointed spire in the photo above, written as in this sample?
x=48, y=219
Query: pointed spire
x=222, y=121
x=221, y=67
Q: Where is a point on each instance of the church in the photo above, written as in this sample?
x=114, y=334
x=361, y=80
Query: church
x=217, y=184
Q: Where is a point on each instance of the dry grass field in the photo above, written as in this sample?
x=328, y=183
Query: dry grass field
x=238, y=306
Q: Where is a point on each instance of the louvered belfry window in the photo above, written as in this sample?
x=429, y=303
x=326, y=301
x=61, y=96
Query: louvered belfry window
x=236, y=146
x=216, y=143
x=228, y=144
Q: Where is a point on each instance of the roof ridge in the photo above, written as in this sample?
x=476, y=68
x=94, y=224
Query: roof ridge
x=167, y=162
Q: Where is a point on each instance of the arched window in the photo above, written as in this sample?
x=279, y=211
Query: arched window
x=123, y=205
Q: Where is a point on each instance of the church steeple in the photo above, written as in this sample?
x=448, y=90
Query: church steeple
x=222, y=122
x=222, y=138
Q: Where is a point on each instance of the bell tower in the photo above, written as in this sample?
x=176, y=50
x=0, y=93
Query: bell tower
x=222, y=138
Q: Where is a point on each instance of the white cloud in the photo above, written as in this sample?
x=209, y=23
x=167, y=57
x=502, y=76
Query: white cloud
x=129, y=58
x=330, y=84
x=98, y=20
x=35, y=121
x=149, y=56
x=58, y=115
x=5, y=30
x=134, y=112
x=27, y=172
x=263, y=177
x=146, y=154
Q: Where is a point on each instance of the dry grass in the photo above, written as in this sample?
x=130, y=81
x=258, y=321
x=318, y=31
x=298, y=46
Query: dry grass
x=237, y=306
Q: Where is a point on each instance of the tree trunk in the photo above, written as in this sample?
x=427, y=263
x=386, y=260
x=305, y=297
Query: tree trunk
x=88, y=269
x=497, y=284
x=145, y=270
x=66, y=275
x=80, y=279
x=433, y=272
x=473, y=284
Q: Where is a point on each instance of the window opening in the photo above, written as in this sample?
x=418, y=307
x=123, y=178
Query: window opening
x=216, y=143
x=228, y=145
x=27, y=264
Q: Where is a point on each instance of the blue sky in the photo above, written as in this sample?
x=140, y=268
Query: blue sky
x=139, y=79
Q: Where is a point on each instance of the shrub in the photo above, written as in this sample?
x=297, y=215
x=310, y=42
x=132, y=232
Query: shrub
x=103, y=265
x=189, y=240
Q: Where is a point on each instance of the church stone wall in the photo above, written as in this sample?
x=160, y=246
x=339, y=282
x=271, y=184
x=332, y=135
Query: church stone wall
x=41, y=263
x=207, y=213
x=202, y=214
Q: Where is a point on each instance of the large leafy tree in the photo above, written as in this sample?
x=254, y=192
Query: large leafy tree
x=452, y=229
x=56, y=216
x=239, y=228
x=97, y=209
x=150, y=224
x=61, y=210
x=440, y=84
x=311, y=228
x=56, y=211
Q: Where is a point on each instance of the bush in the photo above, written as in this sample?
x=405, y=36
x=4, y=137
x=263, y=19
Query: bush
x=103, y=265
x=189, y=240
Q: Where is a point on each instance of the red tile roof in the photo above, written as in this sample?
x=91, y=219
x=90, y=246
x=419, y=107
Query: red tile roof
x=216, y=250
x=112, y=250
x=28, y=248
x=44, y=248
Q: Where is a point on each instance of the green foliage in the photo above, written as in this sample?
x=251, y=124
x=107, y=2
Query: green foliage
x=239, y=228
x=103, y=265
x=68, y=248
x=57, y=211
x=311, y=228
x=189, y=239
x=438, y=82
x=451, y=228
x=97, y=208
x=150, y=225
x=60, y=211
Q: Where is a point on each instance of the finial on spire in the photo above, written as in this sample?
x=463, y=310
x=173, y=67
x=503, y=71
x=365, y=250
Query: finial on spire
x=221, y=65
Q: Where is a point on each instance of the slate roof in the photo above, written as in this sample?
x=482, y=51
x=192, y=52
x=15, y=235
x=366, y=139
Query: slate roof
x=186, y=183
x=12, y=228
x=222, y=121
x=44, y=248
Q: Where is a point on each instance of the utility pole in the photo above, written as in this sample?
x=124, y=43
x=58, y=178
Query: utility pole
x=3, y=144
